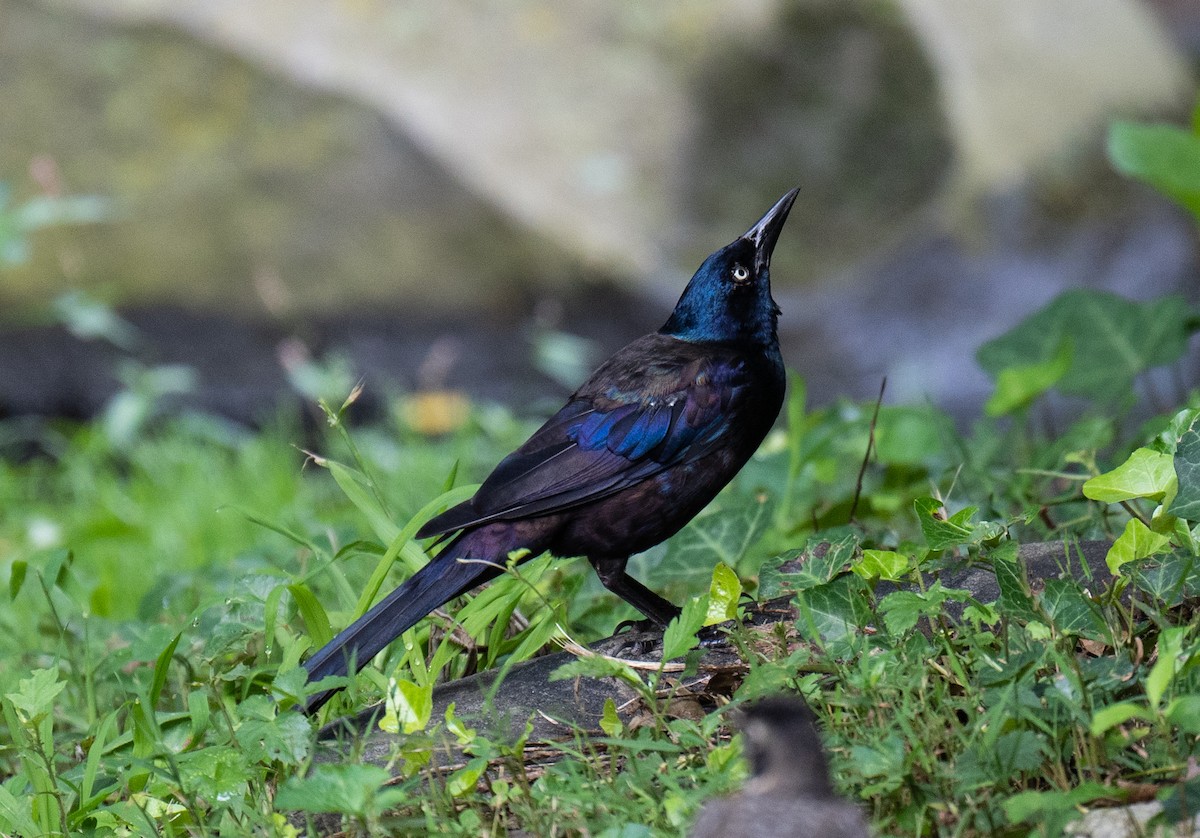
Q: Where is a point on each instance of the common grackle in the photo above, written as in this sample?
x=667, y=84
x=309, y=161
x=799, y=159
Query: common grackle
x=634, y=454
x=789, y=794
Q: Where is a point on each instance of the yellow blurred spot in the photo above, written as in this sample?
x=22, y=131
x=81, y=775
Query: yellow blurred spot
x=435, y=412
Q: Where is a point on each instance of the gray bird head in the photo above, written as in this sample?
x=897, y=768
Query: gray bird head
x=784, y=749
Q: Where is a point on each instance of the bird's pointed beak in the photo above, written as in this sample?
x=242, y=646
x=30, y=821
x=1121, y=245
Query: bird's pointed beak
x=765, y=233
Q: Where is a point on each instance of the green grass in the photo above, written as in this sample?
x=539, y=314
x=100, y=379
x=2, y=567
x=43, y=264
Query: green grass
x=164, y=584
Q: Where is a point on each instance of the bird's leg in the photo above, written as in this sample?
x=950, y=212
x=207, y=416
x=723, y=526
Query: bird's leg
x=613, y=576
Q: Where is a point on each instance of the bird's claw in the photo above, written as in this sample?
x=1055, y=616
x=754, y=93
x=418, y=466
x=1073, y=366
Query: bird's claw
x=643, y=626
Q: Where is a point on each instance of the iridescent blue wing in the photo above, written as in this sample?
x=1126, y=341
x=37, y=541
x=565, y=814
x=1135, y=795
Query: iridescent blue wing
x=633, y=419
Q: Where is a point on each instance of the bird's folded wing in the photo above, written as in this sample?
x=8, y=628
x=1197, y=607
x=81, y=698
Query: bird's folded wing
x=594, y=447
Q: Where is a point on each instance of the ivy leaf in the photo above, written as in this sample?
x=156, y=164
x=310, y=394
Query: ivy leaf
x=1187, y=472
x=1137, y=542
x=1170, y=578
x=1017, y=386
x=882, y=564
x=835, y=610
x=1015, y=600
x=1146, y=474
x=942, y=533
x=813, y=565
x=1165, y=156
x=1071, y=611
x=1114, y=339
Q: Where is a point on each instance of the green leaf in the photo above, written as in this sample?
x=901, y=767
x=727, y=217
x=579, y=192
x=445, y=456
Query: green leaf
x=262, y=521
x=1039, y=806
x=403, y=546
x=271, y=615
x=724, y=534
x=1015, y=600
x=1018, y=751
x=1137, y=542
x=16, y=814
x=723, y=595
x=1165, y=156
x=540, y=632
x=882, y=564
x=1171, y=659
x=1017, y=386
x=16, y=577
x=1071, y=611
x=1114, y=339
x=103, y=732
x=944, y=533
x=680, y=636
x=463, y=781
x=610, y=722
x=1187, y=471
x=912, y=435
x=349, y=788
x=409, y=707
x=901, y=610
x=1179, y=800
x=1184, y=713
x=161, y=668
x=353, y=485
x=457, y=728
x=836, y=609
x=314, y=616
x=198, y=713
x=1146, y=474
x=289, y=683
x=814, y=565
x=285, y=739
x=35, y=695
x=1168, y=577
x=1109, y=717
x=216, y=772
x=599, y=666
x=883, y=759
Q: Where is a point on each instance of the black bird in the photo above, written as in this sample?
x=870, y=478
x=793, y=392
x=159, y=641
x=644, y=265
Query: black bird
x=789, y=794
x=634, y=454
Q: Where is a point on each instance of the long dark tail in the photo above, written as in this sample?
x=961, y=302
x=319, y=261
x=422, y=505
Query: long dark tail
x=434, y=585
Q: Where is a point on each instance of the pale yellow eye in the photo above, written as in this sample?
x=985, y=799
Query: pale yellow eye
x=740, y=274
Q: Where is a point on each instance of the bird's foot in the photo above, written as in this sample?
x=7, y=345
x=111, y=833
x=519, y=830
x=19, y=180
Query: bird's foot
x=644, y=626
x=639, y=639
x=715, y=635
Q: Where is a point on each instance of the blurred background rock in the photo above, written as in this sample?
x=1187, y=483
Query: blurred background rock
x=455, y=195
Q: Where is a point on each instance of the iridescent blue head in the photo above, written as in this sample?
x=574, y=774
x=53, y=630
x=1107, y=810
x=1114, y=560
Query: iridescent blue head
x=729, y=298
